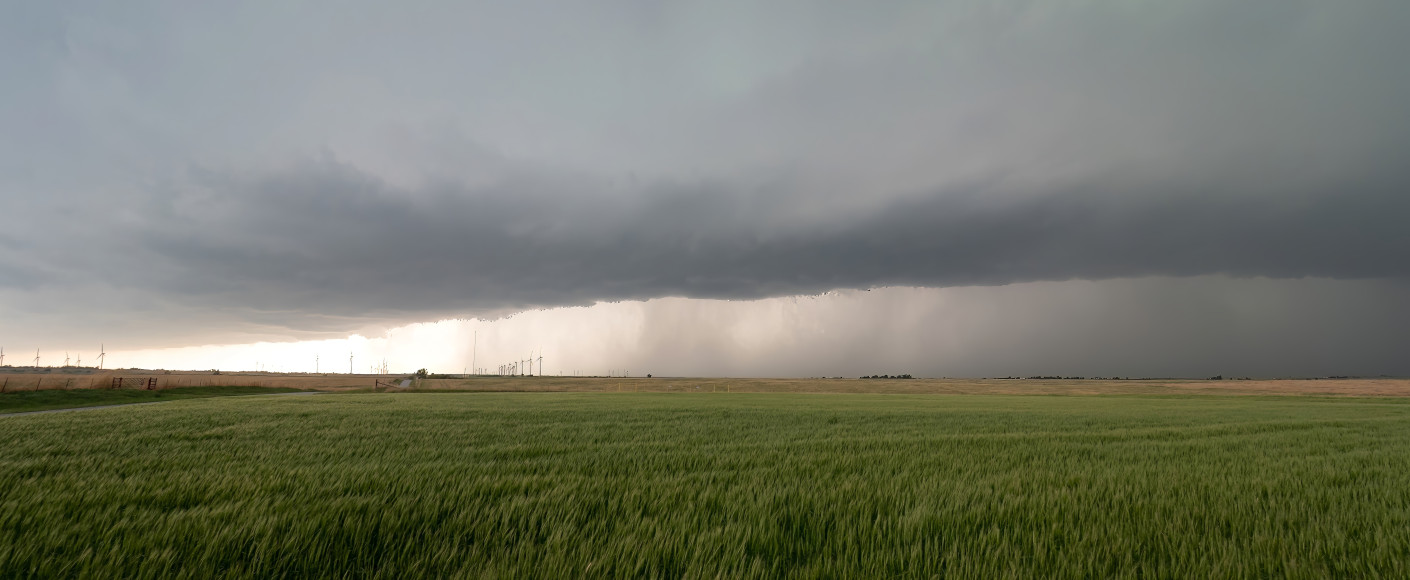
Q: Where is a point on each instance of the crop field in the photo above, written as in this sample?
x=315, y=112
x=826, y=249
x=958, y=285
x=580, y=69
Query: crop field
x=27, y=401
x=25, y=379
x=710, y=485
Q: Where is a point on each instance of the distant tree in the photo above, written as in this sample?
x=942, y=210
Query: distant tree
x=421, y=373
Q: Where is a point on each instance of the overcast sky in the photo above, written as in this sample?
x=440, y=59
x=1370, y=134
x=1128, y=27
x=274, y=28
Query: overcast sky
x=1212, y=185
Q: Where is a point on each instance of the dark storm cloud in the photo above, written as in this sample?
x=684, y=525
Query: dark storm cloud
x=325, y=238
x=315, y=167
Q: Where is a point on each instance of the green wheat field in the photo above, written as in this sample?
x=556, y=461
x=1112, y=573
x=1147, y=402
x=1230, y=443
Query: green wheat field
x=567, y=485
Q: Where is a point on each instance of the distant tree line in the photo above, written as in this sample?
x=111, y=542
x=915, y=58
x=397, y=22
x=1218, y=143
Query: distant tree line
x=888, y=377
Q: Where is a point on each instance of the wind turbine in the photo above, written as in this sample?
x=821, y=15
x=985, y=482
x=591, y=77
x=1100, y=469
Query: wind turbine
x=2, y=356
x=540, y=361
x=36, y=358
x=102, y=354
x=350, y=358
x=315, y=364
x=79, y=364
x=66, y=359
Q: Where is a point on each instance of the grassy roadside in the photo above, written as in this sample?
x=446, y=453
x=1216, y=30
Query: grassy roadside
x=24, y=401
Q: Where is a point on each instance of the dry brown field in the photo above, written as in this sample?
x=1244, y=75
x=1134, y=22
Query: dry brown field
x=21, y=379
x=1317, y=387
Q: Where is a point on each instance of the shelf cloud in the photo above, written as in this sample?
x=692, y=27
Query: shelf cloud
x=326, y=238
x=320, y=168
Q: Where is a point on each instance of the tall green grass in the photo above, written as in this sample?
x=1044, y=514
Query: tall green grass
x=711, y=485
x=27, y=401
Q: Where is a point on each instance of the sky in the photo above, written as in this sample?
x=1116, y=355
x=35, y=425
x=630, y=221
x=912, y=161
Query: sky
x=965, y=188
